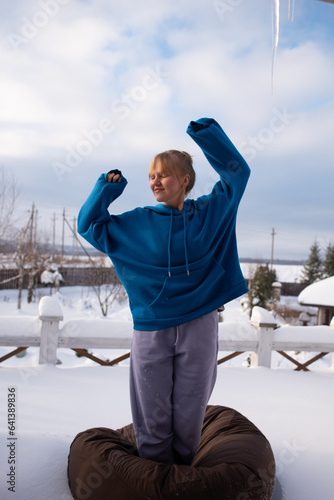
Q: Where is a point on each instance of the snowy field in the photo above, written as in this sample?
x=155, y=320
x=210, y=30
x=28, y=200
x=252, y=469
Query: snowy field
x=293, y=409
x=286, y=273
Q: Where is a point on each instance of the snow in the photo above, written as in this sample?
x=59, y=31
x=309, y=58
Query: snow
x=286, y=273
x=47, y=277
x=53, y=403
x=50, y=307
x=227, y=331
x=27, y=326
x=262, y=316
x=306, y=334
x=98, y=328
x=320, y=293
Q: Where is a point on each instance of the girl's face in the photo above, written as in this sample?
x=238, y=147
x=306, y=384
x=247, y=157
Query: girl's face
x=167, y=188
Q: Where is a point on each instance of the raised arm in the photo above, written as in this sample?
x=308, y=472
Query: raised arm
x=94, y=217
x=221, y=153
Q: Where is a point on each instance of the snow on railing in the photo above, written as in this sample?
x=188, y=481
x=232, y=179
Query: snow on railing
x=260, y=336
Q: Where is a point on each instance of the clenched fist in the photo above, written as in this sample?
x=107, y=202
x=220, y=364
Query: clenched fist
x=113, y=177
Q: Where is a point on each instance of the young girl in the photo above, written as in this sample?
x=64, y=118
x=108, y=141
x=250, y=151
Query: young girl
x=178, y=262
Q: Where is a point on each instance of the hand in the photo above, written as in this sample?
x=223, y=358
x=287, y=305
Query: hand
x=112, y=177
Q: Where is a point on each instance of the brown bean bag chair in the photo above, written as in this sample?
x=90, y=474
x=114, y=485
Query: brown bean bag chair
x=234, y=462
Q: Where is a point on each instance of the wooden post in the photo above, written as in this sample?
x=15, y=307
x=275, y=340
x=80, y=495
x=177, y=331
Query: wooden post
x=265, y=322
x=50, y=314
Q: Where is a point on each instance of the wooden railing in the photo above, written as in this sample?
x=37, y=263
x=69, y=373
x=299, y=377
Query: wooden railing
x=260, y=337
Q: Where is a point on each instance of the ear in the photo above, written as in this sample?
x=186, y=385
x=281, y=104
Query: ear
x=186, y=180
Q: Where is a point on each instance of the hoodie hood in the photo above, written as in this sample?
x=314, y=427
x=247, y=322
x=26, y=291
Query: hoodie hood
x=162, y=209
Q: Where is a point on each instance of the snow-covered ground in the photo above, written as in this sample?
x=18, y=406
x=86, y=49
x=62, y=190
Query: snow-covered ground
x=293, y=409
x=286, y=273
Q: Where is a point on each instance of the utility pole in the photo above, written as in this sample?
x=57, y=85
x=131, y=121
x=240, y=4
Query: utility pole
x=35, y=227
x=31, y=228
x=273, y=234
x=63, y=235
x=75, y=239
x=54, y=236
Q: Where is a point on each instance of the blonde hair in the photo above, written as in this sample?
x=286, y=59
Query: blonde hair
x=177, y=163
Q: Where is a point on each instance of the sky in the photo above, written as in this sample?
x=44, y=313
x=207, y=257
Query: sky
x=91, y=85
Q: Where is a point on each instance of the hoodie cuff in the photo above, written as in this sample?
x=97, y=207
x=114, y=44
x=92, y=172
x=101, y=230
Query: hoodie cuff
x=202, y=123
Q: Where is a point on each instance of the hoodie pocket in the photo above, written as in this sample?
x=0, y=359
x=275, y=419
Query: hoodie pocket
x=182, y=294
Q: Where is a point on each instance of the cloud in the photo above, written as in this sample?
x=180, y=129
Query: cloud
x=86, y=62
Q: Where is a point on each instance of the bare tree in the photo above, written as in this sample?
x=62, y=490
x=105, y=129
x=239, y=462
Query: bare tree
x=107, y=290
x=8, y=198
x=29, y=258
x=20, y=261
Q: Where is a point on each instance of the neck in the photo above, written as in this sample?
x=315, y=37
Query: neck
x=178, y=206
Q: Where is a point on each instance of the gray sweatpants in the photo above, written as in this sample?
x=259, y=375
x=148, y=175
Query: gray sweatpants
x=172, y=375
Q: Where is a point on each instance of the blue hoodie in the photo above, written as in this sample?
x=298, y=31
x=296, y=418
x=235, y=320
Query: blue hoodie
x=175, y=265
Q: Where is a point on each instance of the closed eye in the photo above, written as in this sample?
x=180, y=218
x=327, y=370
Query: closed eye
x=153, y=177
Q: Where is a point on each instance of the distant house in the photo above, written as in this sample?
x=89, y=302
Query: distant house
x=320, y=295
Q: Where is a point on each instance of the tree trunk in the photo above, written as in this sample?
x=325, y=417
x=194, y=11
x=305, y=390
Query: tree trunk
x=30, y=287
x=19, y=295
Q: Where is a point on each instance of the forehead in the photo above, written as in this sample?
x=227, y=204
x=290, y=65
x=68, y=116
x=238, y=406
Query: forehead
x=159, y=167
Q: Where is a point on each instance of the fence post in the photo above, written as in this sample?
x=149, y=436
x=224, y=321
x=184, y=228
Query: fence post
x=50, y=313
x=332, y=325
x=265, y=322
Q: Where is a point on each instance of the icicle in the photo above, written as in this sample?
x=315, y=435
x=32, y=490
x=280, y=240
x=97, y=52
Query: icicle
x=275, y=21
x=293, y=10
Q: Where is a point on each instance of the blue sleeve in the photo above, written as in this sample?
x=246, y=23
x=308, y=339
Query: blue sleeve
x=94, y=220
x=221, y=154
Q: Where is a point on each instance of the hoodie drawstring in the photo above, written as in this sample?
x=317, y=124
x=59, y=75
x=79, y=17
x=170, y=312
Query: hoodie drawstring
x=169, y=240
x=184, y=243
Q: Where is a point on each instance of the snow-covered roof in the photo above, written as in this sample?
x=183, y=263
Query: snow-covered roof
x=320, y=293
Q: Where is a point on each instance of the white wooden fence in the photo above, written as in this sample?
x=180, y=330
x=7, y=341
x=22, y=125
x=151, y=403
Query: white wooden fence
x=260, y=336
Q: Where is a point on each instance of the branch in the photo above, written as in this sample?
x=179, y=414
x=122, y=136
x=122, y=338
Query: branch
x=10, y=279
